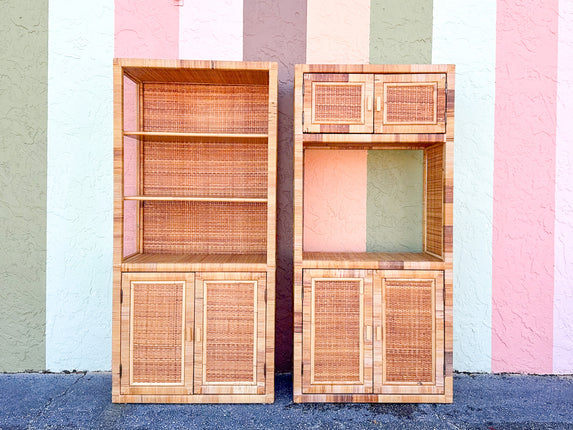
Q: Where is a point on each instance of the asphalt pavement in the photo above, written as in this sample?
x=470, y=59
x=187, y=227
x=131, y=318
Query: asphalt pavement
x=481, y=401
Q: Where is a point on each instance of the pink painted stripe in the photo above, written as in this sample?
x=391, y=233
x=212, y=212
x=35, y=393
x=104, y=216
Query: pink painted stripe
x=563, y=296
x=146, y=29
x=524, y=186
x=335, y=185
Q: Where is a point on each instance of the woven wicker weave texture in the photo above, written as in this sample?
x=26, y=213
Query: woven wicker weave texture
x=196, y=108
x=408, y=325
x=157, y=332
x=230, y=332
x=337, y=327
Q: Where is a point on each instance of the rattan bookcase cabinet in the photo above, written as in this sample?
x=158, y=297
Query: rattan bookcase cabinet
x=375, y=326
x=194, y=231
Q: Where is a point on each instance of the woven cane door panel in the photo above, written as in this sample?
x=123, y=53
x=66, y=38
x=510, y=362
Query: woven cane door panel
x=413, y=103
x=197, y=108
x=338, y=103
x=337, y=333
x=155, y=314
x=412, y=332
x=230, y=326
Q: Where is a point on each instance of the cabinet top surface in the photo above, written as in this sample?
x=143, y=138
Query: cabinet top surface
x=375, y=68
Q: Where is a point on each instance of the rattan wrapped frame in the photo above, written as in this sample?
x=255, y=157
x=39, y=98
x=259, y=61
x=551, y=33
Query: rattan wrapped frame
x=436, y=140
x=198, y=170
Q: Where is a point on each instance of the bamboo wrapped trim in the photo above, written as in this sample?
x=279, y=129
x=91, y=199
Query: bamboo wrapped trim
x=159, y=136
x=196, y=199
x=417, y=140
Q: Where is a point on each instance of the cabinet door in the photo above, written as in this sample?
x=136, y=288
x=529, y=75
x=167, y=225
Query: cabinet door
x=409, y=332
x=410, y=103
x=338, y=103
x=337, y=331
x=156, y=330
x=230, y=333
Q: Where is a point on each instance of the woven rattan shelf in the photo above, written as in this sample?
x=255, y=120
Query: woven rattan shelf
x=194, y=231
x=373, y=319
x=372, y=260
x=195, y=262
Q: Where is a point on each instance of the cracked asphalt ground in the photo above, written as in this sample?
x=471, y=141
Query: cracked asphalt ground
x=481, y=401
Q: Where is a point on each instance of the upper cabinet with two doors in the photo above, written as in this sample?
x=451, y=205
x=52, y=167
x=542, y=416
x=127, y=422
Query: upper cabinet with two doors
x=374, y=103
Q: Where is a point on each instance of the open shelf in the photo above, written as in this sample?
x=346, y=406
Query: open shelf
x=373, y=141
x=195, y=199
x=371, y=260
x=194, y=262
x=168, y=136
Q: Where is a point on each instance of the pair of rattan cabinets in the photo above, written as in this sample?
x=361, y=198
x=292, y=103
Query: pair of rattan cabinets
x=195, y=168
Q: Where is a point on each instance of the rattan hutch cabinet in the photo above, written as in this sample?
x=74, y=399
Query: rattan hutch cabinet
x=194, y=231
x=373, y=319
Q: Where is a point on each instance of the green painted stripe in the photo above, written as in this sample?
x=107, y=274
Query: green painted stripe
x=23, y=144
x=401, y=31
x=394, y=208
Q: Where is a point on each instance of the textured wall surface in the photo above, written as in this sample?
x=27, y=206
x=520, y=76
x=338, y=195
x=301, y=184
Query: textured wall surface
x=275, y=30
x=146, y=29
x=512, y=271
x=401, y=32
x=210, y=30
x=23, y=109
x=563, y=294
x=338, y=31
x=395, y=201
x=524, y=186
x=79, y=205
x=455, y=30
x=335, y=189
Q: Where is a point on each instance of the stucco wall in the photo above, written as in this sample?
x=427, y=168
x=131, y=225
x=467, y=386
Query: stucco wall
x=513, y=199
x=23, y=122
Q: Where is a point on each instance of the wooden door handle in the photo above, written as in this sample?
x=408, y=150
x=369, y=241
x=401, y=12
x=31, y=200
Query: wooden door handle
x=378, y=333
x=198, y=334
x=378, y=104
x=369, y=332
x=189, y=332
x=369, y=103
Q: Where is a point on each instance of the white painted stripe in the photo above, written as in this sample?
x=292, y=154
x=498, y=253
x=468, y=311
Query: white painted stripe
x=80, y=176
x=465, y=34
x=211, y=30
x=563, y=293
x=338, y=31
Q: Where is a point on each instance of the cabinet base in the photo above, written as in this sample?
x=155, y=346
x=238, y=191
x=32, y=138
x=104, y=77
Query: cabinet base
x=220, y=399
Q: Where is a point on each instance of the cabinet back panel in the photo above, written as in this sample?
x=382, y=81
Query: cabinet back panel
x=204, y=227
x=204, y=168
x=192, y=108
